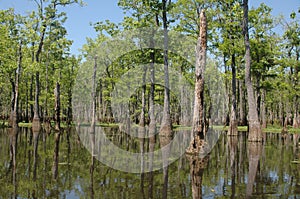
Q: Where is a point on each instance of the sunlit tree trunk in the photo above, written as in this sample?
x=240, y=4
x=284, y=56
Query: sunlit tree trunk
x=14, y=117
x=166, y=126
x=198, y=118
x=69, y=110
x=152, y=125
x=254, y=124
x=36, y=116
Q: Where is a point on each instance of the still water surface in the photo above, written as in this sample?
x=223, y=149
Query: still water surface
x=34, y=165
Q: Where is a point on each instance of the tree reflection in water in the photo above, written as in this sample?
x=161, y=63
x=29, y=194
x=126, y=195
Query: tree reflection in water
x=197, y=167
x=13, y=140
x=166, y=145
x=254, y=153
x=236, y=168
x=233, y=147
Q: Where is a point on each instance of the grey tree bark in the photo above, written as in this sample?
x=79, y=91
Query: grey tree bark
x=233, y=115
x=255, y=133
x=198, y=117
x=166, y=125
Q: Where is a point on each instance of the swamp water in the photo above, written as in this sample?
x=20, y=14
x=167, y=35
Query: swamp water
x=34, y=165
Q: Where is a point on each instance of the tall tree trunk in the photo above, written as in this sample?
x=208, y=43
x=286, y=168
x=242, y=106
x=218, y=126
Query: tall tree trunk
x=69, y=109
x=185, y=104
x=198, y=118
x=14, y=117
x=242, y=107
x=296, y=117
x=226, y=118
x=233, y=115
x=142, y=115
x=93, y=124
x=255, y=134
x=46, y=119
x=263, y=109
x=57, y=106
x=31, y=97
x=166, y=126
x=26, y=104
x=36, y=118
x=100, y=98
x=152, y=125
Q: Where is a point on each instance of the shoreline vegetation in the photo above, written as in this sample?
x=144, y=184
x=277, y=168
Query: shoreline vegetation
x=268, y=129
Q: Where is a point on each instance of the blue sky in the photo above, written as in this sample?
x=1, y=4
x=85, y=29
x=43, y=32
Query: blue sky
x=79, y=18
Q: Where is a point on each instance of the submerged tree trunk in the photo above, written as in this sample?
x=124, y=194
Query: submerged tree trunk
x=166, y=126
x=198, y=118
x=254, y=124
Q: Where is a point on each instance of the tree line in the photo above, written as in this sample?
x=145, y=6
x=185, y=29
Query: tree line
x=38, y=72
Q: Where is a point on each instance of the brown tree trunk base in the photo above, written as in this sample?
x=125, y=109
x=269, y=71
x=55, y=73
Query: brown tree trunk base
x=166, y=130
x=13, y=120
x=255, y=133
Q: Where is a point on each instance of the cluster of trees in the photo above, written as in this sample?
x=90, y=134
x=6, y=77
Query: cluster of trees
x=266, y=76
x=36, y=68
x=35, y=60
